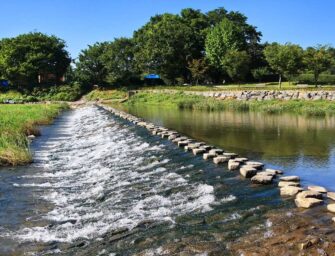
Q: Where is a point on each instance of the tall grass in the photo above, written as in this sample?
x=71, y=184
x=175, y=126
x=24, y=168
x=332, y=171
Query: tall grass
x=183, y=101
x=16, y=123
x=106, y=95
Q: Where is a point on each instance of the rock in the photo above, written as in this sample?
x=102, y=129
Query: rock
x=290, y=178
x=331, y=195
x=256, y=165
x=309, y=242
x=220, y=159
x=216, y=151
x=248, y=172
x=241, y=159
x=198, y=151
x=233, y=165
x=288, y=183
x=276, y=172
x=290, y=190
x=31, y=137
x=317, y=189
x=172, y=137
x=182, y=143
x=231, y=155
x=333, y=219
x=305, y=202
x=310, y=194
x=262, y=179
x=331, y=208
x=207, y=156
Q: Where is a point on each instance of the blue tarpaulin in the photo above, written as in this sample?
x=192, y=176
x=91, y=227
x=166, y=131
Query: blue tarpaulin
x=152, y=76
x=4, y=83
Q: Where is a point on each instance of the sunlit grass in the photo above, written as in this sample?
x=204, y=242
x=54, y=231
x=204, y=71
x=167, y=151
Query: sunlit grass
x=16, y=123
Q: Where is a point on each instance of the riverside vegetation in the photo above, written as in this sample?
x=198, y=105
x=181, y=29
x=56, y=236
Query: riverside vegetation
x=19, y=121
x=183, y=101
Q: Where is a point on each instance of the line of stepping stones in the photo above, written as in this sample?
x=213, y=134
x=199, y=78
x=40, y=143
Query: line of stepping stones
x=289, y=185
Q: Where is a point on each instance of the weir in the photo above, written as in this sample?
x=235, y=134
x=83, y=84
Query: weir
x=289, y=185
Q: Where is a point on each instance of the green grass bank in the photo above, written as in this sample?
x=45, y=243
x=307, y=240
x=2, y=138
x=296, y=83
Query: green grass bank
x=183, y=101
x=19, y=121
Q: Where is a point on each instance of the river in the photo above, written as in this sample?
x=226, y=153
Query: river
x=100, y=185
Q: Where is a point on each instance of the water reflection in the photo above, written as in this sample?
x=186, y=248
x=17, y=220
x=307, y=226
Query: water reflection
x=300, y=145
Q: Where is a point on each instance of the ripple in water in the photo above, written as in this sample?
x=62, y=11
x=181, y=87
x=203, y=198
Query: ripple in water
x=102, y=176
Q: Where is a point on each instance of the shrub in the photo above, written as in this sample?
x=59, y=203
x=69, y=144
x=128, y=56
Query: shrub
x=309, y=79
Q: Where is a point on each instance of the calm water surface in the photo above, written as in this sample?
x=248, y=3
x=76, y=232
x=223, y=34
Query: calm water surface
x=297, y=144
x=100, y=185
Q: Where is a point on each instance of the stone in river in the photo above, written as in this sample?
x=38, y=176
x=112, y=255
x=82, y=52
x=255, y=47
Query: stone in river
x=231, y=155
x=331, y=208
x=198, y=151
x=220, y=159
x=288, y=183
x=290, y=178
x=274, y=171
x=262, y=179
x=248, y=172
x=241, y=159
x=317, y=188
x=310, y=194
x=207, y=156
x=233, y=165
x=307, y=202
x=290, y=191
x=256, y=165
x=216, y=151
x=331, y=195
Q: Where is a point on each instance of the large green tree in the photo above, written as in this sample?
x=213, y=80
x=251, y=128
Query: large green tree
x=118, y=59
x=317, y=60
x=285, y=60
x=26, y=56
x=236, y=63
x=164, y=46
x=90, y=66
x=224, y=37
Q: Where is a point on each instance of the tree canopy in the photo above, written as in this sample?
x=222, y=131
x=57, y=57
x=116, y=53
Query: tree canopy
x=25, y=57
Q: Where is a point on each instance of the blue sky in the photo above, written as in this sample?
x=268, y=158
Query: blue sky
x=83, y=22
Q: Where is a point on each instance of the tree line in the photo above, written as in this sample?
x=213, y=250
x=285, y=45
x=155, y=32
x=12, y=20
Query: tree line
x=190, y=47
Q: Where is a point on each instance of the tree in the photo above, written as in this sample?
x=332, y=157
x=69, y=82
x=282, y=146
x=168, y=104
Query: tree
x=317, y=60
x=198, y=69
x=25, y=57
x=260, y=73
x=118, y=59
x=284, y=59
x=236, y=63
x=163, y=46
x=224, y=37
x=90, y=68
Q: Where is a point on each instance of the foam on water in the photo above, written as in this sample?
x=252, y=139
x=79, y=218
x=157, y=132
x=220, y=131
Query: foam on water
x=102, y=176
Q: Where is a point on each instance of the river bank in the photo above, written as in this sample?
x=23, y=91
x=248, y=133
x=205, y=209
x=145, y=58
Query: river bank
x=183, y=100
x=19, y=124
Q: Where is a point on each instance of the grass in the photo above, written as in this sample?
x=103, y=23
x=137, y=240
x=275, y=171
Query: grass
x=183, y=101
x=16, y=123
x=106, y=95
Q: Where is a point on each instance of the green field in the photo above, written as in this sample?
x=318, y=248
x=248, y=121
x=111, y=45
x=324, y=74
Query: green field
x=19, y=121
x=183, y=101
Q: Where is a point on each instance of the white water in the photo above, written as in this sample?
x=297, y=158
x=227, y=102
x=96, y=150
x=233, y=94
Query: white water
x=102, y=176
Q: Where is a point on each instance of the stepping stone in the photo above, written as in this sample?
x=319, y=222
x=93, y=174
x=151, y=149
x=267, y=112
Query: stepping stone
x=198, y=151
x=207, y=156
x=288, y=183
x=276, y=172
x=233, y=165
x=256, y=165
x=331, y=195
x=331, y=208
x=248, y=172
x=241, y=159
x=310, y=194
x=216, y=151
x=182, y=143
x=172, y=137
x=231, y=155
x=305, y=202
x=220, y=159
x=290, y=191
x=317, y=188
x=290, y=178
x=207, y=147
x=262, y=179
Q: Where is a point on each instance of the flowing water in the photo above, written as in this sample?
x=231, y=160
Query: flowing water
x=100, y=185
